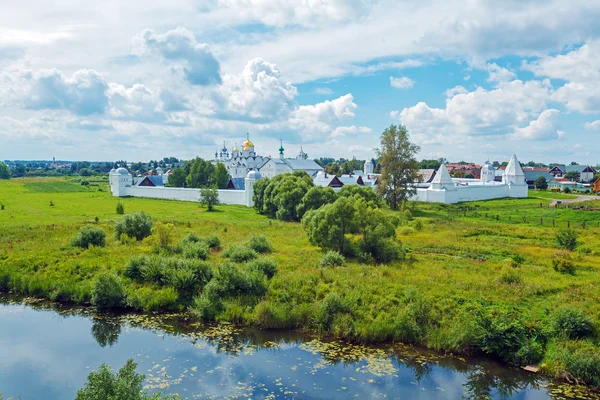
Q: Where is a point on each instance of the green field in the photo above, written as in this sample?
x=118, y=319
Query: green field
x=478, y=277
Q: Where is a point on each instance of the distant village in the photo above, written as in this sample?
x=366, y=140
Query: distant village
x=325, y=171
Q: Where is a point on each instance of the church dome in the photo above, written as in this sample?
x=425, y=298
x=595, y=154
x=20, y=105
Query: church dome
x=236, y=149
x=122, y=171
x=253, y=175
x=488, y=167
x=112, y=171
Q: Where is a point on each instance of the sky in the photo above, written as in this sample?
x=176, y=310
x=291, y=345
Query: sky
x=472, y=80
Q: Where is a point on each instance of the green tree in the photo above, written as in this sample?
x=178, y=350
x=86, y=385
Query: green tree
x=541, y=183
x=177, y=178
x=400, y=169
x=105, y=384
x=134, y=225
x=258, y=193
x=315, y=198
x=4, y=171
x=365, y=193
x=200, y=173
x=220, y=176
x=327, y=226
x=209, y=197
x=283, y=194
x=572, y=176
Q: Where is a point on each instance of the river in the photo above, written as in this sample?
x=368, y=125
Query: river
x=47, y=351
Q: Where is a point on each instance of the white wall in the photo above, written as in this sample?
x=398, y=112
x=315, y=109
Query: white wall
x=471, y=193
x=182, y=194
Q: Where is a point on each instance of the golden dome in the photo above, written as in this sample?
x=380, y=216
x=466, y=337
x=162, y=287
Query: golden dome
x=247, y=143
x=236, y=149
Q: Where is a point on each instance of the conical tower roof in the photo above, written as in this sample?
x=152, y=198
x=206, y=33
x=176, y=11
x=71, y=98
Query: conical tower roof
x=514, y=167
x=442, y=179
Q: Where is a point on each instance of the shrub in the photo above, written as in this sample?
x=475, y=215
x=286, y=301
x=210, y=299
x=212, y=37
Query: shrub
x=190, y=278
x=108, y=291
x=1, y=206
x=406, y=217
x=120, y=208
x=89, y=236
x=231, y=281
x=212, y=241
x=579, y=358
x=105, y=384
x=332, y=259
x=191, y=238
x=562, y=263
x=260, y=244
x=567, y=190
x=152, y=299
x=163, y=235
x=265, y=266
x=85, y=183
x=206, y=309
x=209, y=197
x=134, y=225
x=197, y=250
x=531, y=352
x=331, y=305
x=516, y=260
x=240, y=253
x=134, y=267
x=510, y=276
x=501, y=333
x=566, y=239
x=125, y=239
x=418, y=225
x=571, y=323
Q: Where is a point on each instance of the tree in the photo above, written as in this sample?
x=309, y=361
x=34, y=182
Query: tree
x=315, y=198
x=209, y=197
x=572, y=176
x=400, y=169
x=540, y=183
x=4, y=171
x=220, y=176
x=327, y=226
x=177, y=178
x=105, y=384
x=283, y=194
x=258, y=193
x=200, y=173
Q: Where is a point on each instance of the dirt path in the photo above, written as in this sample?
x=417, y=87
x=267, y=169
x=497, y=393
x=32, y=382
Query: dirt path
x=579, y=199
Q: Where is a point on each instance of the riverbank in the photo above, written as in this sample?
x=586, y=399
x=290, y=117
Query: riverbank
x=180, y=356
x=470, y=284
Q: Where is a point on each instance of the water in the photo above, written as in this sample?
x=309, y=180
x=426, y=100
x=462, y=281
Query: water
x=47, y=351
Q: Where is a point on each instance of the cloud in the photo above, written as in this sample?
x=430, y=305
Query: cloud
x=592, y=126
x=401, y=82
x=324, y=91
x=499, y=74
x=580, y=69
x=258, y=93
x=498, y=111
x=350, y=130
x=544, y=127
x=83, y=93
x=199, y=67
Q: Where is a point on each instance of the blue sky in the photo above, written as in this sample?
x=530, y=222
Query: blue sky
x=473, y=80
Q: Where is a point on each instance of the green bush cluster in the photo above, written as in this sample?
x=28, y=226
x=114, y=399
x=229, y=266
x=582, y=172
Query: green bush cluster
x=564, y=264
x=332, y=259
x=89, y=236
x=566, y=239
x=136, y=225
x=108, y=291
x=240, y=253
x=571, y=323
x=120, y=208
x=260, y=243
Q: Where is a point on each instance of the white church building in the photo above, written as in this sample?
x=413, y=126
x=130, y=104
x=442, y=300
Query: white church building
x=445, y=189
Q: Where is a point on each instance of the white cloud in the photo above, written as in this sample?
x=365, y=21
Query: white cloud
x=498, y=111
x=592, y=126
x=499, y=74
x=352, y=130
x=257, y=93
x=581, y=69
x=402, y=82
x=544, y=127
x=180, y=45
x=83, y=93
x=324, y=91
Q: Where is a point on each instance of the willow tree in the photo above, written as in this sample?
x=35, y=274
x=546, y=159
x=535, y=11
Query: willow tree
x=399, y=167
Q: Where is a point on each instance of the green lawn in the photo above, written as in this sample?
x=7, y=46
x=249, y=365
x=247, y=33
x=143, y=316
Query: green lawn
x=456, y=273
x=547, y=194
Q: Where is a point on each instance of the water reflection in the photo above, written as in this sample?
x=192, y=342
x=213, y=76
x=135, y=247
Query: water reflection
x=179, y=355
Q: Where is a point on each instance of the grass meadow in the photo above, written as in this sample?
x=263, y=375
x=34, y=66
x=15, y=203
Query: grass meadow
x=479, y=280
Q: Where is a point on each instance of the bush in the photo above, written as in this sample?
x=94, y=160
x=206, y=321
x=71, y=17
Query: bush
x=197, y=250
x=260, y=244
x=2, y=206
x=510, y=276
x=134, y=268
x=516, y=260
x=566, y=239
x=209, y=197
x=332, y=259
x=231, y=281
x=105, y=384
x=134, y=225
x=331, y=305
x=206, y=309
x=265, y=266
x=120, y=208
x=562, y=263
x=240, y=253
x=501, y=333
x=89, y=236
x=191, y=238
x=163, y=235
x=567, y=190
x=571, y=323
x=581, y=359
x=108, y=291
x=418, y=225
x=151, y=299
x=212, y=241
